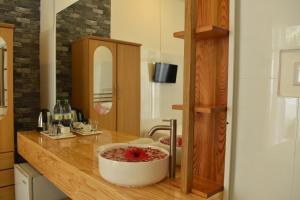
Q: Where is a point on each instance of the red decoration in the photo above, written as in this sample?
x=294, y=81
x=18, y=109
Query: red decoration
x=179, y=142
x=136, y=154
x=167, y=141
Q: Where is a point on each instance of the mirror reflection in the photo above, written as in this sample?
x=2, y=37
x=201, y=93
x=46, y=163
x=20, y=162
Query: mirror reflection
x=103, y=75
x=107, y=55
x=139, y=100
x=3, y=77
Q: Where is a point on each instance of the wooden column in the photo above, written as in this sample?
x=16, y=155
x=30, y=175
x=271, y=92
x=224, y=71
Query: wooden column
x=189, y=94
x=205, y=99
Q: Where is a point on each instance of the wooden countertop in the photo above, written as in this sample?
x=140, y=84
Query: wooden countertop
x=72, y=165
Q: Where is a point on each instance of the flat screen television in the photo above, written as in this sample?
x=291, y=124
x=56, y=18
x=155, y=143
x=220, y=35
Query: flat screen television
x=165, y=73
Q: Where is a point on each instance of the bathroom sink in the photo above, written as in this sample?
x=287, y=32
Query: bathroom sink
x=142, y=141
x=166, y=146
x=133, y=165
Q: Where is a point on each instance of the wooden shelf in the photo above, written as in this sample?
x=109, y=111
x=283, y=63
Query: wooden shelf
x=202, y=188
x=205, y=188
x=203, y=109
x=179, y=34
x=177, y=107
x=206, y=32
x=211, y=31
x=206, y=109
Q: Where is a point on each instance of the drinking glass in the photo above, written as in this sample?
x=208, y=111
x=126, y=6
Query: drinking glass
x=94, y=124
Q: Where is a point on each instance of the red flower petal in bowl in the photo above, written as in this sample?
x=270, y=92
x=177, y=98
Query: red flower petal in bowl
x=135, y=154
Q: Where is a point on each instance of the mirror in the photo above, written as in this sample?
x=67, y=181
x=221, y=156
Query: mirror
x=3, y=78
x=103, y=80
x=150, y=23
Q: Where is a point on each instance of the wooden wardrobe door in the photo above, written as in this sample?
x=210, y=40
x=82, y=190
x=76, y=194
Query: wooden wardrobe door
x=6, y=124
x=107, y=121
x=128, y=90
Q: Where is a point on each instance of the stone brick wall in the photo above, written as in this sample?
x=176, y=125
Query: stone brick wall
x=25, y=14
x=85, y=17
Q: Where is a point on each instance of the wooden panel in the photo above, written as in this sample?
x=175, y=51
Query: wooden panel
x=80, y=72
x=72, y=165
x=6, y=123
x=107, y=121
x=128, y=89
x=204, y=96
x=213, y=12
x=6, y=177
x=7, y=193
x=211, y=90
x=6, y=160
x=188, y=95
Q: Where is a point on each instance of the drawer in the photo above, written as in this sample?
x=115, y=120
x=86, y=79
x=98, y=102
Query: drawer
x=7, y=193
x=6, y=160
x=6, y=177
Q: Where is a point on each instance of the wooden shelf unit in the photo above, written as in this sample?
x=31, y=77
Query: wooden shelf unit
x=206, y=37
x=206, y=32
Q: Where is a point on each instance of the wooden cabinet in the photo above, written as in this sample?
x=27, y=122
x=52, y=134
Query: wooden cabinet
x=6, y=119
x=6, y=160
x=124, y=92
x=7, y=193
x=6, y=177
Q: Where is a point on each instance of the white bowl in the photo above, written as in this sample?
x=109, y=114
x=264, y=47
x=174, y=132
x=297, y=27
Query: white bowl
x=133, y=174
x=142, y=141
x=167, y=147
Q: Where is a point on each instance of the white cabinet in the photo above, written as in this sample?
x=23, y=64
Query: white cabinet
x=31, y=185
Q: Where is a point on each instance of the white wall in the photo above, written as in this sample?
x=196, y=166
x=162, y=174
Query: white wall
x=47, y=54
x=62, y=4
x=265, y=148
x=152, y=23
x=48, y=11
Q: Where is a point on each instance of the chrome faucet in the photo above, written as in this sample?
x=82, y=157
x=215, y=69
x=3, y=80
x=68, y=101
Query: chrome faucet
x=173, y=135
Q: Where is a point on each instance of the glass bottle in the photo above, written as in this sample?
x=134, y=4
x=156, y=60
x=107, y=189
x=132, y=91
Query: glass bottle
x=67, y=114
x=57, y=118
